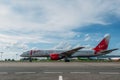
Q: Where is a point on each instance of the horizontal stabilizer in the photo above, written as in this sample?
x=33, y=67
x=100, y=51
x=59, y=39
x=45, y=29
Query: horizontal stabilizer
x=108, y=51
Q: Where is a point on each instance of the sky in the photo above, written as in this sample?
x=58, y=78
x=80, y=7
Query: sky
x=57, y=24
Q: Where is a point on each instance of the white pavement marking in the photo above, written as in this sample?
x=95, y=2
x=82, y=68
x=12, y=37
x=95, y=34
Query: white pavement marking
x=25, y=72
x=60, y=77
x=53, y=72
x=80, y=72
x=109, y=73
x=3, y=72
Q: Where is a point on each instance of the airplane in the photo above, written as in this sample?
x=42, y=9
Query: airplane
x=100, y=49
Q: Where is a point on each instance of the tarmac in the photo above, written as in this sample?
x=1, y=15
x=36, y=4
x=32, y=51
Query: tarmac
x=59, y=70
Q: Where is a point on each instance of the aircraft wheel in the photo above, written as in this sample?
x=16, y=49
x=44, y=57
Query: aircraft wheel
x=67, y=60
x=30, y=59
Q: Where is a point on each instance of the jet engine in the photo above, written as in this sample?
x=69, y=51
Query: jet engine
x=54, y=56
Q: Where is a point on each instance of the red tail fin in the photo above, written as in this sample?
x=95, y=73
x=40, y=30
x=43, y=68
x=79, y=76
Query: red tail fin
x=103, y=45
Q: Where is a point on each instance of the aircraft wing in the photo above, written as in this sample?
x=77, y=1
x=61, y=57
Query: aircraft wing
x=70, y=52
x=108, y=51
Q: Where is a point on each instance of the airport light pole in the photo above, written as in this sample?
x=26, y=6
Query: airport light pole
x=16, y=56
x=1, y=55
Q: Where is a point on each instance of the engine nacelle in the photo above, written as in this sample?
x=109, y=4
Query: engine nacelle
x=54, y=56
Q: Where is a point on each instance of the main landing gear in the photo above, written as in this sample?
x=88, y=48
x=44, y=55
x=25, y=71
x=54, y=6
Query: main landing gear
x=30, y=59
x=66, y=59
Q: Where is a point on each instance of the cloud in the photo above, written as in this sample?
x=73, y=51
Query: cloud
x=18, y=43
x=55, y=15
x=21, y=38
x=87, y=37
x=59, y=16
x=63, y=45
x=51, y=21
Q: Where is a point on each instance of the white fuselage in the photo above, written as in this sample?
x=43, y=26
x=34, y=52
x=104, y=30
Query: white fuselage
x=46, y=53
